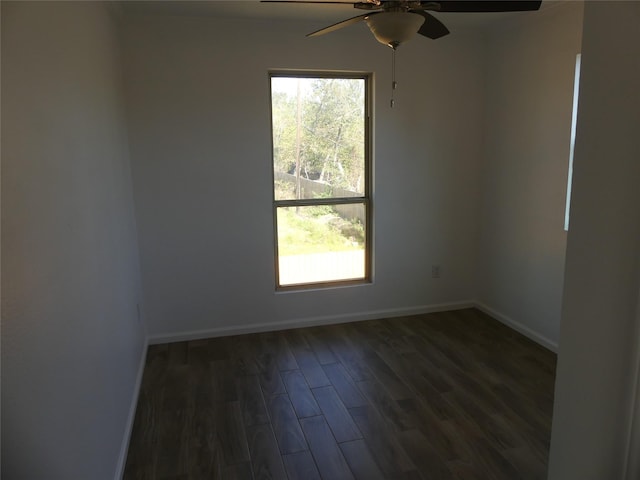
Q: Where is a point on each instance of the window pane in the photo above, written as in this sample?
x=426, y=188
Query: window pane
x=318, y=137
x=321, y=243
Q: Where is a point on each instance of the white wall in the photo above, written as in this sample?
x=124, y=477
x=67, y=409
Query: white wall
x=71, y=340
x=197, y=91
x=600, y=323
x=529, y=78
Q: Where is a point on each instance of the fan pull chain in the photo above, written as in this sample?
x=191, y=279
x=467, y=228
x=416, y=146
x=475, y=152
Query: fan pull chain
x=394, y=84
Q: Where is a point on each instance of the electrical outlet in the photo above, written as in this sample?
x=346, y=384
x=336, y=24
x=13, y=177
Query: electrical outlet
x=435, y=271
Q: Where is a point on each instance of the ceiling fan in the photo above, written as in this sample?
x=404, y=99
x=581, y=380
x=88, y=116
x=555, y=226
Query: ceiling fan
x=395, y=22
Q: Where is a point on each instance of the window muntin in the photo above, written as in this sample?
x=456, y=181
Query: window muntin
x=321, y=178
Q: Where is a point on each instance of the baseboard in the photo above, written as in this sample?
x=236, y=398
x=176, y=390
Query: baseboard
x=122, y=459
x=353, y=317
x=306, y=322
x=517, y=326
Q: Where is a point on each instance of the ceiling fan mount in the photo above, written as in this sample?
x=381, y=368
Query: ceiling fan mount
x=397, y=6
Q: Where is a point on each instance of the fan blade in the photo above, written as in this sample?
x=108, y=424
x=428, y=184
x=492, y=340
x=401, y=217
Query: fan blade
x=488, y=6
x=339, y=25
x=432, y=27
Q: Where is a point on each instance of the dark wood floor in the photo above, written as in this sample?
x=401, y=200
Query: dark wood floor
x=453, y=395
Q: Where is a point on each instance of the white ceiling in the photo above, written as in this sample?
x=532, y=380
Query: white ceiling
x=323, y=14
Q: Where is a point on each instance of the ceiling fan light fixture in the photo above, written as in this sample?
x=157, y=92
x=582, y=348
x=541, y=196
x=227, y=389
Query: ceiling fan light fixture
x=394, y=28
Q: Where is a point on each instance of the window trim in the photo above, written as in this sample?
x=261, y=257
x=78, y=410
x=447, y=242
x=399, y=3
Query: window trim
x=365, y=199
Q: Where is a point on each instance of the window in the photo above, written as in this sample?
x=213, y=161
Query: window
x=321, y=178
x=572, y=144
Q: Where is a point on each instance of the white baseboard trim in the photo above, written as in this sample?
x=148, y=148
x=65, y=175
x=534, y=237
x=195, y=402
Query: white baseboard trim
x=517, y=326
x=124, y=449
x=352, y=317
x=305, y=322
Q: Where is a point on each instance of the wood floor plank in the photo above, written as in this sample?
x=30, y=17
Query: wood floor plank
x=202, y=444
x=483, y=394
x=498, y=433
x=424, y=371
x=223, y=381
x=319, y=346
x=285, y=425
x=240, y=471
x=304, y=403
x=347, y=347
x=325, y=450
x=307, y=360
x=492, y=462
x=146, y=426
x=344, y=385
x=301, y=466
x=453, y=439
x=486, y=457
x=201, y=389
x=284, y=357
x=424, y=456
x=231, y=433
x=252, y=406
x=172, y=457
x=175, y=388
x=434, y=428
x=178, y=353
x=447, y=395
x=405, y=369
x=466, y=470
x=266, y=360
x=389, y=409
x=241, y=355
x=389, y=455
x=271, y=382
x=335, y=413
x=141, y=461
x=387, y=377
x=268, y=346
x=218, y=348
x=528, y=466
x=524, y=409
x=360, y=460
x=536, y=441
x=265, y=455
